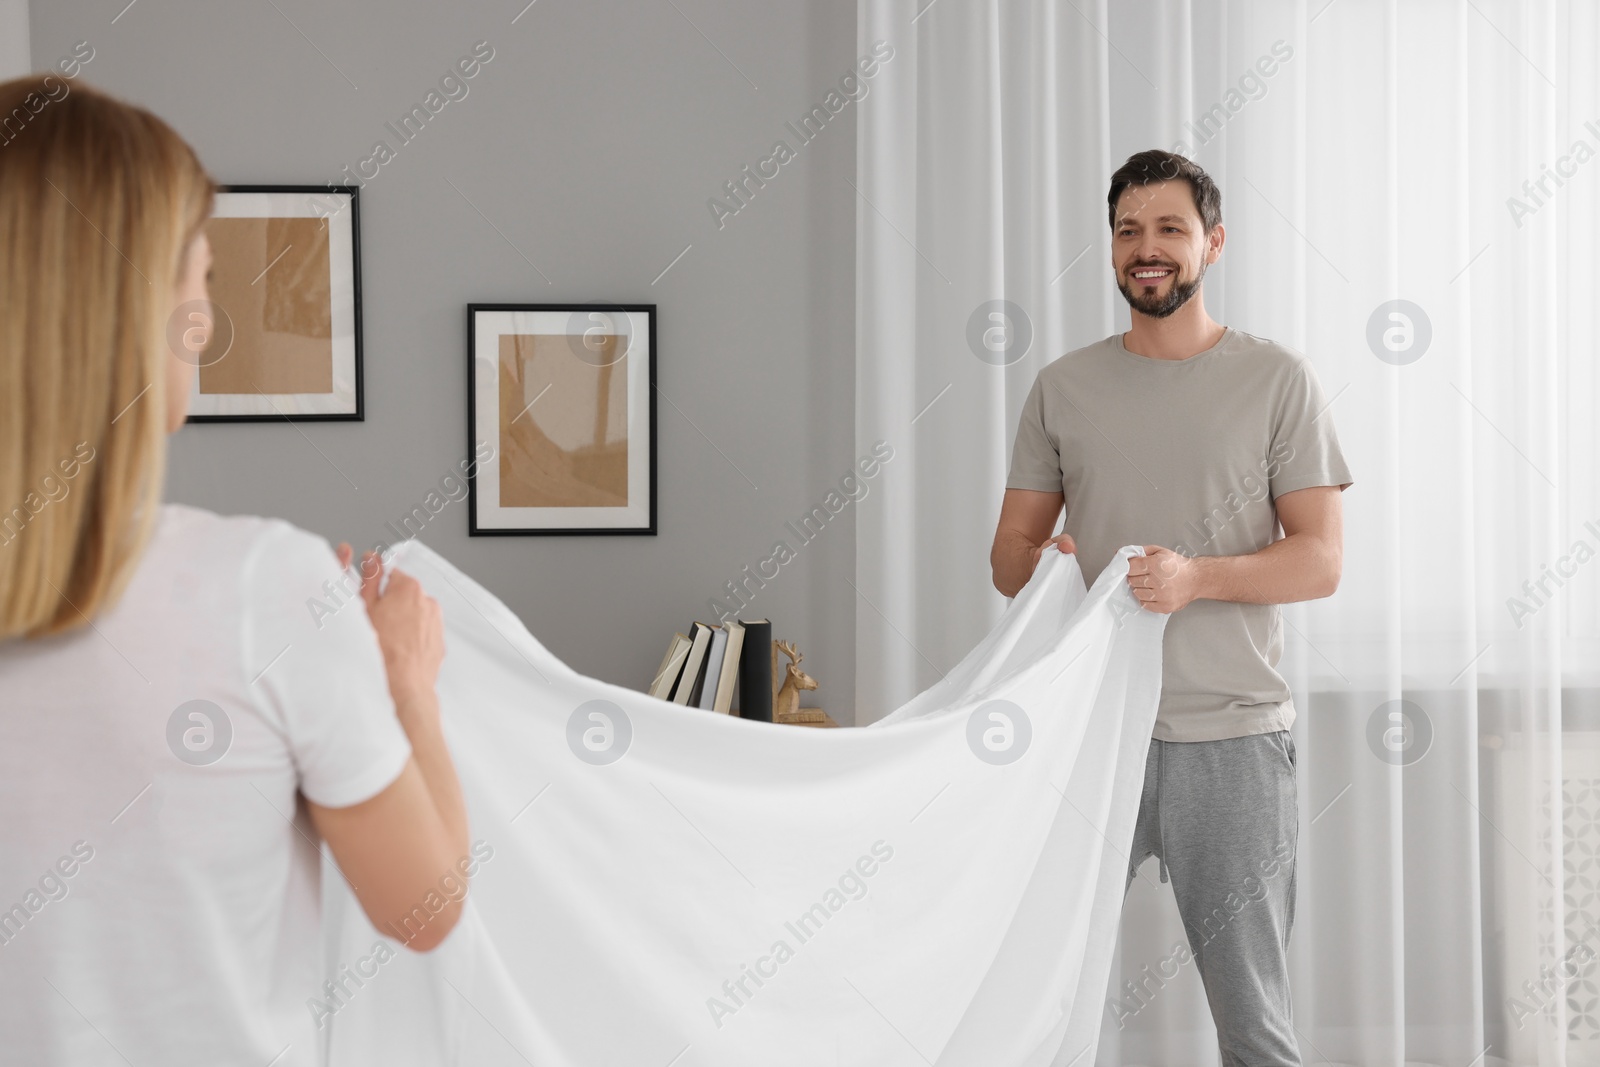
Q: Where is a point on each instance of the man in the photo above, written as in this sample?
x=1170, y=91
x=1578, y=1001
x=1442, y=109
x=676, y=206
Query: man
x=1196, y=441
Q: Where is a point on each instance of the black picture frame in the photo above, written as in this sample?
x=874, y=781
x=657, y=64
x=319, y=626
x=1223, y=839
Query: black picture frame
x=474, y=528
x=359, y=412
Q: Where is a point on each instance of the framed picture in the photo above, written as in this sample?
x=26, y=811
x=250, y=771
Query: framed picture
x=281, y=338
x=561, y=419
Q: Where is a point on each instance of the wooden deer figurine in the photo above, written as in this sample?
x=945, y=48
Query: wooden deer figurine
x=795, y=679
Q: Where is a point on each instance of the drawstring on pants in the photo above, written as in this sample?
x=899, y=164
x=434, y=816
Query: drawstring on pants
x=1160, y=837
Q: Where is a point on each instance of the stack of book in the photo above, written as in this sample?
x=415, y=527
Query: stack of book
x=701, y=668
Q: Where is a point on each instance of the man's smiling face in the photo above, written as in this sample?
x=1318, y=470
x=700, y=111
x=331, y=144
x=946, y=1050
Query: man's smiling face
x=1159, y=247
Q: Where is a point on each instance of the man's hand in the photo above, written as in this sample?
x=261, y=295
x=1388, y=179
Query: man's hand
x=1164, y=581
x=1061, y=541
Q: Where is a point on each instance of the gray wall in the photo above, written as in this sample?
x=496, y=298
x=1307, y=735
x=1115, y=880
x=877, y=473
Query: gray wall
x=14, y=58
x=593, y=139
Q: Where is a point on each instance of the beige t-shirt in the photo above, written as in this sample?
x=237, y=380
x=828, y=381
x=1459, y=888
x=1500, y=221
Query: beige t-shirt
x=1188, y=454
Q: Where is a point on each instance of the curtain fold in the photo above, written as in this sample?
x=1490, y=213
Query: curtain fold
x=1410, y=198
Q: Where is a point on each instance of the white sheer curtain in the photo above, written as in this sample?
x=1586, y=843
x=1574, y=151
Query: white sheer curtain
x=1440, y=153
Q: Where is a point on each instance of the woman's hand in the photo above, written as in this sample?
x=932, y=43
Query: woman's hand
x=409, y=627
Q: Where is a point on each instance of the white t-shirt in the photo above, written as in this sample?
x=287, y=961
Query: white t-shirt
x=159, y=878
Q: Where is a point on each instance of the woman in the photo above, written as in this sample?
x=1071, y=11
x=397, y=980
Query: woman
x=176, y=729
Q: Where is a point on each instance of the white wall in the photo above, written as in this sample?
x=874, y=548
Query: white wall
x=14, y=58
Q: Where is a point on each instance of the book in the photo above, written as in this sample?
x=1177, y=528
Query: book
x=671, y=665
x=700, y=675
x=693, y=665
x=755, y=671
x=730, y=667
x=712, y=675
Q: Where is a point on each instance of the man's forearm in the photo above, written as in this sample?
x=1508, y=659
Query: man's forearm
x=1294, y=568
x=1011, y=561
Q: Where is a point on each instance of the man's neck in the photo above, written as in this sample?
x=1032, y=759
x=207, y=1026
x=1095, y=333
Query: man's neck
x=1186, y=332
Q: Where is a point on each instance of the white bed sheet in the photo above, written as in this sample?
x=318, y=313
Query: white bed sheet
x=626, y=904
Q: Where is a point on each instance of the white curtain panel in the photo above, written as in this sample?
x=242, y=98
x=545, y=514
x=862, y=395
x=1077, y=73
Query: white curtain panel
x=1441, y=154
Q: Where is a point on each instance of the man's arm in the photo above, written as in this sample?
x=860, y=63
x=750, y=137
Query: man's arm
x=1304, y=564
x=1026, y=518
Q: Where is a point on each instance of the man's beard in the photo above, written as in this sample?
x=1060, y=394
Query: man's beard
x=1159, y=307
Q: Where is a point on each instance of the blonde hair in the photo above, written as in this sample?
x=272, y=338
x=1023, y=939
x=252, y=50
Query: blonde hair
x=99, y=202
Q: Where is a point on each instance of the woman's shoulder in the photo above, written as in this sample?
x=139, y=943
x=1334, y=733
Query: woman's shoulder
x=259, y=543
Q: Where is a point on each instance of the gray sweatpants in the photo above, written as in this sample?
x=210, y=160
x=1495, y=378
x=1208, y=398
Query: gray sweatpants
x=1223, y=817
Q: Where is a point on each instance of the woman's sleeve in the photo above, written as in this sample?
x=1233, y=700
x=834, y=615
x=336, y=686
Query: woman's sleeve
x=314, y=670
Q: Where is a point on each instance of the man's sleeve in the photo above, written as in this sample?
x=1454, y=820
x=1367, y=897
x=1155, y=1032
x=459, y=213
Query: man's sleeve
x=1035, y=457
x=1305, y=448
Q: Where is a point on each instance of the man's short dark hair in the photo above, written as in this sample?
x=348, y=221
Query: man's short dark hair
x=1153, y=165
